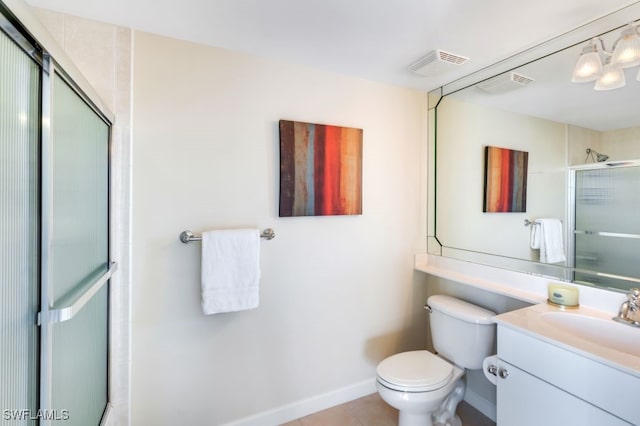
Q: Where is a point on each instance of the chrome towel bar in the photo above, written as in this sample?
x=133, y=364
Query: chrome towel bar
x=528, y=222
x=188, y=236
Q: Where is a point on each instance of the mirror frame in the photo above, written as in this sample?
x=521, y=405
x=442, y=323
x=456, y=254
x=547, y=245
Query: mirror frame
x=579, y=35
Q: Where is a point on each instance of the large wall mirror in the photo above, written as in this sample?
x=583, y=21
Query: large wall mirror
x=579, y=179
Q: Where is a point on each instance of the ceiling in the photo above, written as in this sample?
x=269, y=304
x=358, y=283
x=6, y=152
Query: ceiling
x=371, y=39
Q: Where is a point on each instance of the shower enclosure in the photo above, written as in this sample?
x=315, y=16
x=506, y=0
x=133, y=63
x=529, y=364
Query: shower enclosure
x=607, y=224
x=54, y=255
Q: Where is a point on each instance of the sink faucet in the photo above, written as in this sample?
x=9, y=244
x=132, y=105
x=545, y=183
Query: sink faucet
x=629, y=312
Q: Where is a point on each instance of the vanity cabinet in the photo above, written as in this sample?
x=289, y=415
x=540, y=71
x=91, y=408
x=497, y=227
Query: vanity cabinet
x=543, y=384
x=525, y=400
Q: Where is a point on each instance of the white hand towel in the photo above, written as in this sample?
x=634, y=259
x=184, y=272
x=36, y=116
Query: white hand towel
x=535, y=236
x=230, y=270
x=551, y=247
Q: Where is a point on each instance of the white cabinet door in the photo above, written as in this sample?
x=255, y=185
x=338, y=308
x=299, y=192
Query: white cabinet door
x=525, y=400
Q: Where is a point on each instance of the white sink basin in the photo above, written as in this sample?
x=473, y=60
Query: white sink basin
x=616, y=336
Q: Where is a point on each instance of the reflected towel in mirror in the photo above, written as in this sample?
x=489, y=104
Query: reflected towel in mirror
x=546, y=235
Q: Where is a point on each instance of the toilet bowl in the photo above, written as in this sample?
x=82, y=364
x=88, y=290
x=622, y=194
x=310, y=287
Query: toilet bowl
x=426, y=388
x=417, y=383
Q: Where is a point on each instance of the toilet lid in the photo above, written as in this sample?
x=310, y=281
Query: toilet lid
x=415, y=371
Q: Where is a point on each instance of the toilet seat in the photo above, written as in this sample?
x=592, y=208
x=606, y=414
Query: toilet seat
x=414, y=371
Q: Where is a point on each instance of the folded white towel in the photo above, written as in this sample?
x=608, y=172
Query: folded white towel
x=230, y=270
x=550, y=240
x=535, y=236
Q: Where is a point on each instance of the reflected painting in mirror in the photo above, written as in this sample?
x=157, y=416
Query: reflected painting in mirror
x=505, y=180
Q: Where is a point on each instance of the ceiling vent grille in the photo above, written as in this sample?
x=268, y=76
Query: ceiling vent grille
x=436, y=62
x=520, y=79
x=505, y=83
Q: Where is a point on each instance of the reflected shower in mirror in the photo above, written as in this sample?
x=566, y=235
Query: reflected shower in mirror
x=607, y=226
x=536, y=108
x=598, y=156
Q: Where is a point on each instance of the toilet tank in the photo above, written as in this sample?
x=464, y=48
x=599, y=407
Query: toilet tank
x=462, y=333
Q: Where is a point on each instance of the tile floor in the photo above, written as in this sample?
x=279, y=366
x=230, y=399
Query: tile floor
x=371, y=410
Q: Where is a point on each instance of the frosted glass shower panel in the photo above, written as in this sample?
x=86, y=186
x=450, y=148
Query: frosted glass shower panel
x=608, y=200
x=607, y=234
x=80, y=191
x=19, y=227
x=79, y=253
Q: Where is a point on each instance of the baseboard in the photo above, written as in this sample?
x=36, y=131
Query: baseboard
x=289, y=412
x=487, y=408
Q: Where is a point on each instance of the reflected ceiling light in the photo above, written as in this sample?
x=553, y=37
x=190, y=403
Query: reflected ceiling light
x=611, y=77
x=589, y=66
x=606, y=67
x=626, y=51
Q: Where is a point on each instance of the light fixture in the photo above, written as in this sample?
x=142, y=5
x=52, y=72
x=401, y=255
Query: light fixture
x=589, y=66
x=606, y=67
x=626, y=51
x=611, y=77
x=600, y=158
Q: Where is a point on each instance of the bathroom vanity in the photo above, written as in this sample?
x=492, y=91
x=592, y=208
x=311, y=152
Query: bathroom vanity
x=566, y=367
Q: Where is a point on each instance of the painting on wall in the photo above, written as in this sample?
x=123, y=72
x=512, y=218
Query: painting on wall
x=505, y=180
x=320, y=169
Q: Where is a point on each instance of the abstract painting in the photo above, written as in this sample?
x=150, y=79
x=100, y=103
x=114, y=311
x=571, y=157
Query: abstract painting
x=320, y=169
x=505, y=180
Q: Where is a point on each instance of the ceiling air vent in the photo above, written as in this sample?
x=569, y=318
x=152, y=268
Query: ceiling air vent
x=505, y=83
x=436, y=62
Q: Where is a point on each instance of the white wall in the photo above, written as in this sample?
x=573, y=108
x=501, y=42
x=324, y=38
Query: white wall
x=579, y=139
x=619, y=145
x=338, y=294
x=467, y=129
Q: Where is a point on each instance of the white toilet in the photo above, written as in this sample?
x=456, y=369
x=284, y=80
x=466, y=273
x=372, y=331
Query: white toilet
x=427, y=388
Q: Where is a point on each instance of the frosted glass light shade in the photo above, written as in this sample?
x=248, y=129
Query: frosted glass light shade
x=627, y=51
x=588, y=68
x=612, y=78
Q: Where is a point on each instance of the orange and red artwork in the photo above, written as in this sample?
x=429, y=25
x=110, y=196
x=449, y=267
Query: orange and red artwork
x=505, y=183
x=320, y=169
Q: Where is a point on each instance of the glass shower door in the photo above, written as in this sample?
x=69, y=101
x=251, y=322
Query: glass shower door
x=19, y=228
x=76, y=267
x=54, y=250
